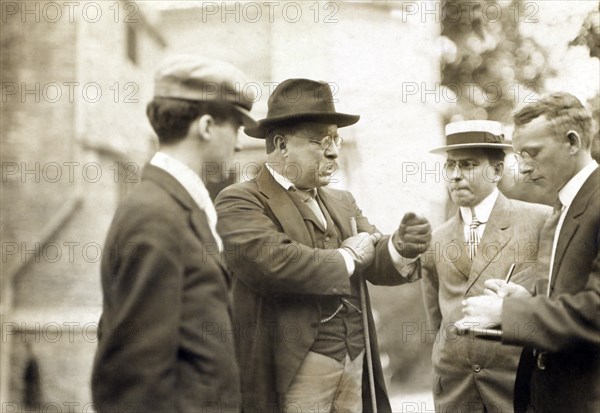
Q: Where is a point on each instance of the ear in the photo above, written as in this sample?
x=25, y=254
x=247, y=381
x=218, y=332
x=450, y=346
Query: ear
x=498, y=171
x=204, y=125
x=575, y=143
x=280, y=144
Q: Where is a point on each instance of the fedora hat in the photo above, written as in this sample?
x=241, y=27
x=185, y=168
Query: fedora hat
x=301, y=100
x=468, y=134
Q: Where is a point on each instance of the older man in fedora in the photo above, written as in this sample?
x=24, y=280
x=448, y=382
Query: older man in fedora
x=163, y=292
x=304, y=330
x=489, y=237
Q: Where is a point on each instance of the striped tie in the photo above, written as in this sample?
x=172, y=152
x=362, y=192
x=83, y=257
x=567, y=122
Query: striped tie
x=473, y=241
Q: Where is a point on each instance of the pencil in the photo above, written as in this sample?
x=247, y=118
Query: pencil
x=353, y=226
x=510, y=272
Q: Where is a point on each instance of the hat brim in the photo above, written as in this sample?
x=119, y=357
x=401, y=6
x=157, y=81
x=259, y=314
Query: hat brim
x=247, y=120
x=444, y=149
x=263, y=125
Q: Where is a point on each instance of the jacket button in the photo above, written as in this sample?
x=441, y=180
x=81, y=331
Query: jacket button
x=327, y=238
x=476, y=368
x=335, y=290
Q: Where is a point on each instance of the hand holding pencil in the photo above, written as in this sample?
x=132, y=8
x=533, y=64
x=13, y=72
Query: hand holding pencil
x=505, y=288
x=485, y=311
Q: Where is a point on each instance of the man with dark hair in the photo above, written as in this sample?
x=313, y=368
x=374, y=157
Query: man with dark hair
x=488, y=234
x=304, y=327
x=559, y=326
x=164, y=287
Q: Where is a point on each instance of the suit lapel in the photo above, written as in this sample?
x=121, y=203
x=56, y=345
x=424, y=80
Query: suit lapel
x=456, y=237
x=199, y=224
x=338, y=210
x=571, y=222
x=305, y=210
x=283, y=207
x=197, y=218
x=495, y=238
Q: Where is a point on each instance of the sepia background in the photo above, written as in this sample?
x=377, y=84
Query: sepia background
x=76, y=77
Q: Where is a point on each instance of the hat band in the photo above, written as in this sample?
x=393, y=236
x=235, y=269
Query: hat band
x=473, y=137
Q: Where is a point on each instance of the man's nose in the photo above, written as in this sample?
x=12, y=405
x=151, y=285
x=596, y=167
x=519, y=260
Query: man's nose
x=332, y=151
x=455, y=173
x=526, y=167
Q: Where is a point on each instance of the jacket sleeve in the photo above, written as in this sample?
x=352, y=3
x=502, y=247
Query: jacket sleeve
x=266, y=259
x=554, y=324
x=430, y=290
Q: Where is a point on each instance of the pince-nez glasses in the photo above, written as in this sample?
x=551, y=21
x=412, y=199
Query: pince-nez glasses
x=327, y=141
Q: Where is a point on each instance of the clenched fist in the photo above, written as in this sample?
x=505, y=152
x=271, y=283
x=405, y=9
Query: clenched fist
x=412, y=236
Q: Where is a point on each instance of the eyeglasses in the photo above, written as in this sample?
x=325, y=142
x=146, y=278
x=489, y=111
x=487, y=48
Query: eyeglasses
x=524, y=156
x=463, y=165
x=328, y=140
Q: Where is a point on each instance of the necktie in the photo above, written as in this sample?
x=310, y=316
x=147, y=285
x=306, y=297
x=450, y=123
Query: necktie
x=307, y=194
x=473, y=241
x=309, y=197
x=547, y=241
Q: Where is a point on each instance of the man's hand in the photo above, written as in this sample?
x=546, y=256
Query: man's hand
x=484, y=311
x=412, y=236
x=362, y=248
x=501, y=289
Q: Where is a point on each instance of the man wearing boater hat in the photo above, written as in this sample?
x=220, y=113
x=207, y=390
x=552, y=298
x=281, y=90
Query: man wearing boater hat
x=298, y=306
x=559, y=371
x=488, y=234
x=162, y=291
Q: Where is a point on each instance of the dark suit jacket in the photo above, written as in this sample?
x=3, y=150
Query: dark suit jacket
x=469, y=371
x=566, y=324
x=279, y=279
x=162, y=345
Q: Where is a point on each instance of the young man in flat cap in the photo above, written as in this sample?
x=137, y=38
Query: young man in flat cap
x=300, y=321
x=488, y=234
x=163, y=288
x=559, y=371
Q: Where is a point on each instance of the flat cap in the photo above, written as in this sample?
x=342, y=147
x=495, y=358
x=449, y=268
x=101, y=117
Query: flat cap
x=197, y=78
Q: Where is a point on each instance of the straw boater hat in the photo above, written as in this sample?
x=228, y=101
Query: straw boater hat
x=468, y=134
x=301, y=100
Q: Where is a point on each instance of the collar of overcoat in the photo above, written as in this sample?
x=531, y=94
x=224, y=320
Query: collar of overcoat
x=570, y=225
x=197, y=217
x=291, y=219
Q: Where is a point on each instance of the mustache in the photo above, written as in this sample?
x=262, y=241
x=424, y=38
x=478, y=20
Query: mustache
x=329, y=164
x=458, y=186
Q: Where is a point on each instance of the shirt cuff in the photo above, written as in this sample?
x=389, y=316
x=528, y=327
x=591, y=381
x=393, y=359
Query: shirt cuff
x=350, y=266
x=405, y=266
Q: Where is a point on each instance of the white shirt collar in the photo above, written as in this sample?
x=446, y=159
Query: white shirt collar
x=189, y=179
x=482, y=210
x=568, y=192
x=280, y=179
x=192, y=183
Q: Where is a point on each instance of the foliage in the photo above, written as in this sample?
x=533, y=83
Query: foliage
x=589, y=35
x=486, y=61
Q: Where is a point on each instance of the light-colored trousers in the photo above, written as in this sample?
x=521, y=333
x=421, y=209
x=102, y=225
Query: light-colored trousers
x=325, y=385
